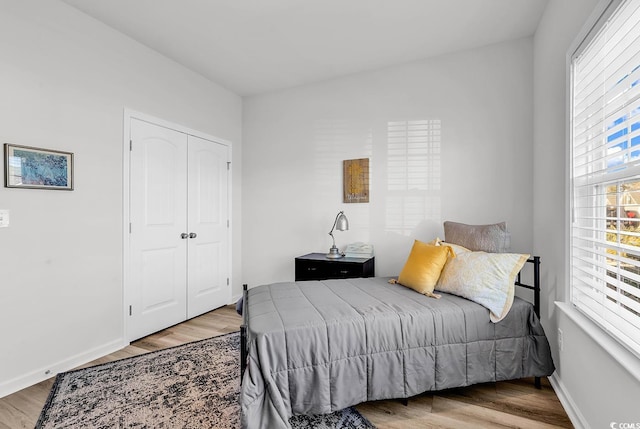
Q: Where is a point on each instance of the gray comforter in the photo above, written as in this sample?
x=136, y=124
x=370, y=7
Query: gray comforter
x=317, y=347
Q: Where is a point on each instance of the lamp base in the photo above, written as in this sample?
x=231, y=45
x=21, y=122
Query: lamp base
x=334, y=253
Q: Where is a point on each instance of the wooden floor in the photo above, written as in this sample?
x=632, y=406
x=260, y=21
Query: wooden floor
x=491, y=405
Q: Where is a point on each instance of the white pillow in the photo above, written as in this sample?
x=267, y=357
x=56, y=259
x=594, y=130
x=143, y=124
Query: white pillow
x=455, y=247
x=485, y=278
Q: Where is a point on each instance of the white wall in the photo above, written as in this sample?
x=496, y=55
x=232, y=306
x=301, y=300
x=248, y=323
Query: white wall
x=64, y=82
x=481, y=172
x=597, y=389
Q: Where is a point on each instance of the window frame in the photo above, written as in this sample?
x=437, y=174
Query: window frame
x=599, y=18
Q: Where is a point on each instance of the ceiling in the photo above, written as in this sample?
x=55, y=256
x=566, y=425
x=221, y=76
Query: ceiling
x=257, y=46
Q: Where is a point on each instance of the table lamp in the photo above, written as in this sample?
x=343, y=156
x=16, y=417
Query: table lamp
x=341, y=224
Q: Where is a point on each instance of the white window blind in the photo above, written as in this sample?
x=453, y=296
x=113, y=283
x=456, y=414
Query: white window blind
x=605, y=176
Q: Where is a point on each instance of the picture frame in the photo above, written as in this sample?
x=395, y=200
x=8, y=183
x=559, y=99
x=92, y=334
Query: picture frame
x=355, y=180
x=29, y=167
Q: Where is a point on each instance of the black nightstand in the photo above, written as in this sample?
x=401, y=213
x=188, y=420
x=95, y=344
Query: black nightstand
x=315, y=266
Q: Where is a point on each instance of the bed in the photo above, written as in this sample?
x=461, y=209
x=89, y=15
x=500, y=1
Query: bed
x=315, y=347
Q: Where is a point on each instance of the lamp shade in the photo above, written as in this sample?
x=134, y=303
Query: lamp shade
x=342, y=223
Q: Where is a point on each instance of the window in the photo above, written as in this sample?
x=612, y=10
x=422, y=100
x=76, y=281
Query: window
x=605, y=175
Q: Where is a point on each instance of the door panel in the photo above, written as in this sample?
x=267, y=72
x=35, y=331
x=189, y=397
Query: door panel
x=206, y=279
x=160, y=161
x=158, y=287
x=207, y=218
x=158, y=254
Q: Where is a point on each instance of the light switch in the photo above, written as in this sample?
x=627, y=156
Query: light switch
x=4, y=218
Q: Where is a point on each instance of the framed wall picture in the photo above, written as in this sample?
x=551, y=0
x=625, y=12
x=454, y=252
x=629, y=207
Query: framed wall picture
x=356, y=180
x=35, y=168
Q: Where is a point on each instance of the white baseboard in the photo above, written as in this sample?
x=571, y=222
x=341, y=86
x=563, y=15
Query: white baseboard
x=235, y=298
x=570, y=407
x=27, y=380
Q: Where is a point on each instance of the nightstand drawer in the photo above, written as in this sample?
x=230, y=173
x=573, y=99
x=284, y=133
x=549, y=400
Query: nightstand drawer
x=345, y=271
x=315, y=266
x=311, y=270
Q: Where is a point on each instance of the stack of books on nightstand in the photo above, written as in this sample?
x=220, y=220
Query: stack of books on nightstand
x=359, y=250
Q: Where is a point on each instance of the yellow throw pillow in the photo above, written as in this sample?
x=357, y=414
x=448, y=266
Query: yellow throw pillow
x=423, y=267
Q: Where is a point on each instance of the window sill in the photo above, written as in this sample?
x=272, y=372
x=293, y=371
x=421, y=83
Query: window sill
x=618, y=352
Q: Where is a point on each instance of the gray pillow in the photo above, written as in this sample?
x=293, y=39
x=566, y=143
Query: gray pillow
x=486, y=238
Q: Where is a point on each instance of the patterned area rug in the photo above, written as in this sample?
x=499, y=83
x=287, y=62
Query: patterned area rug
x=195, y=385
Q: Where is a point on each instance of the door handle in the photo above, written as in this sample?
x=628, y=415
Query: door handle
x=184, y=235
x=193, y=235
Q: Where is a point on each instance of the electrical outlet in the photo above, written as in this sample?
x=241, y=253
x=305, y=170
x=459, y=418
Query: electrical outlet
x=560, y=340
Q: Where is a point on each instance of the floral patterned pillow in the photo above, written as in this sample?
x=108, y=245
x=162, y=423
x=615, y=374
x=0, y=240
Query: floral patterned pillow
x=485, y=278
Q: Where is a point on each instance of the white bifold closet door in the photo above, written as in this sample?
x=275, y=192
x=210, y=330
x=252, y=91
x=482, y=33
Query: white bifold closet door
x=207, y=262
x=178, y=241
